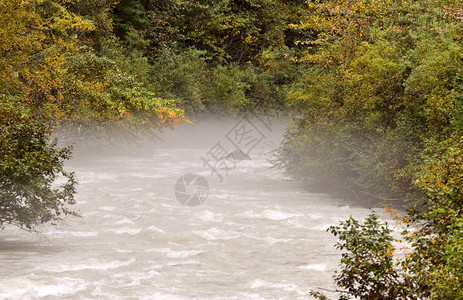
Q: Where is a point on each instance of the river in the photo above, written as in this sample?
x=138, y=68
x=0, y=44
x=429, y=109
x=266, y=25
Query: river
x=257, y=235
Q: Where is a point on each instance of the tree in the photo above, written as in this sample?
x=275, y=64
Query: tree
x=430, y=266
x=379, y=80
x=29, y=165
x=368, y=266
x=380, y=115
x=51, y=77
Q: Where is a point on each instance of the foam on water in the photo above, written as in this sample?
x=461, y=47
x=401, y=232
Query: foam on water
x=156, y=229
x=257, y=236
x=276, y=215
x=209, y=216
x=125, y=230
x=316, y=267
x=286, y=286
x=187, y=262
x=216, y=234
x=124, y=221
x=167, y=252
x=107, y=208
x=23, y=288
x=91, y=264
x=272, y=240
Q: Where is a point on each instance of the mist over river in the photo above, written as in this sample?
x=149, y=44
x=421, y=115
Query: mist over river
x=258, y=235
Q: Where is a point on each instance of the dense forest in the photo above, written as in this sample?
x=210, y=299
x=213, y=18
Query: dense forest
x=374, y=89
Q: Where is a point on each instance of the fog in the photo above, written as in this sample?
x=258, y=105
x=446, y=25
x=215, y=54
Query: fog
x=182, y=218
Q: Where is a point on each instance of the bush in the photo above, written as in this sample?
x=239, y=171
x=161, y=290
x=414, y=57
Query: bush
x=368, y=266
x=30, y=163
x=431, y=267
x=202, y=87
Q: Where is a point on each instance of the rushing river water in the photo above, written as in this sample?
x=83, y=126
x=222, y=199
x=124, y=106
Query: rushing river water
x=258, y=235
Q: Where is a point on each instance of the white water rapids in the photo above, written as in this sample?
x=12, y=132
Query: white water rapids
x=258, y=235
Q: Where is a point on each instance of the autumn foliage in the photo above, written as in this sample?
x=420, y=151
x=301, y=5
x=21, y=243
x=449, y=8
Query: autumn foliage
x=379, y=118
x=52, y=78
